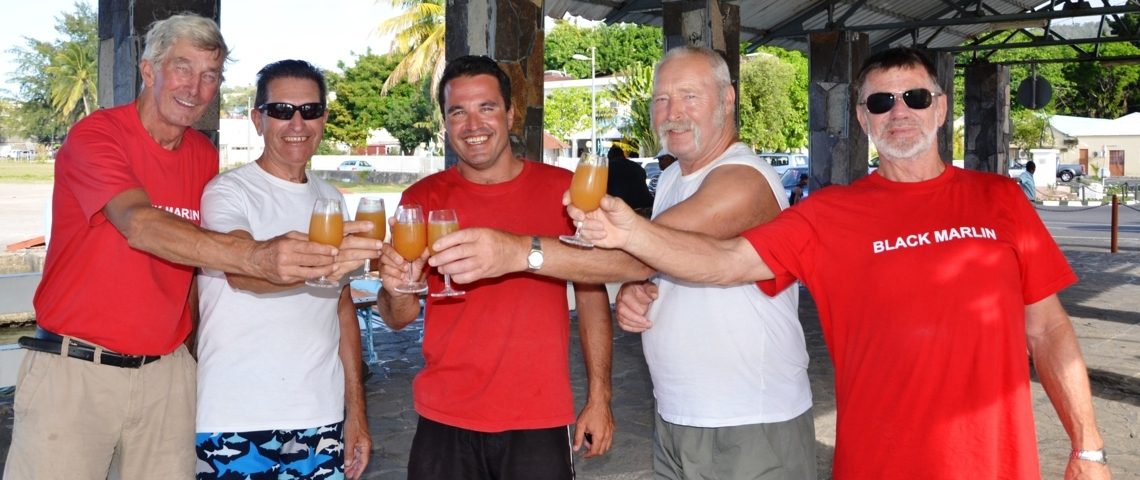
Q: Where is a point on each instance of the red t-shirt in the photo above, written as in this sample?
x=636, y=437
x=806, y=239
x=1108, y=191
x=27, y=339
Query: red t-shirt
x=921, y=290
x=95, y=286
x=496, y=359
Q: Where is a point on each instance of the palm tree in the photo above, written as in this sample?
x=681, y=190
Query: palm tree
x=73, y=70
x=419, y=39
x=634, y=90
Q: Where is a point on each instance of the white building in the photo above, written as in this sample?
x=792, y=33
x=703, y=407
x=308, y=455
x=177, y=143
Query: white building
x=1106, y=147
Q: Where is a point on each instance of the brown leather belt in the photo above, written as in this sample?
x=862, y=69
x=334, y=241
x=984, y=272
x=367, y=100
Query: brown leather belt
x=48, y=342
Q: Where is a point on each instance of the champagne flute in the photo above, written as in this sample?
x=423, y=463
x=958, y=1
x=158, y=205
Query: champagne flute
x=586, y=191
x=372, y=209
x=409, y=238
x=440, y=223
x=326, y=226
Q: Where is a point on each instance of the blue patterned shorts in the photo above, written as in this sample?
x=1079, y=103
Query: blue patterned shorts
x=314, y=453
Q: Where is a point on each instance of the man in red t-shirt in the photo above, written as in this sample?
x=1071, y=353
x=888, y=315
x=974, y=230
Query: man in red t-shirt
x=108, y=387
x=932, y=283
x=494, y=395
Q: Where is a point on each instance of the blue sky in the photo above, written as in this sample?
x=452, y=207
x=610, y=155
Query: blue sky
x=258, y=32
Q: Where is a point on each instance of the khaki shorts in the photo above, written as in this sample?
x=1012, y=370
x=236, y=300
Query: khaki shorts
x=768, y=451
x=77, y=420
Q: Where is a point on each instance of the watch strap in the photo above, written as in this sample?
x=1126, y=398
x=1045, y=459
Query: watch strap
x=1097, y=456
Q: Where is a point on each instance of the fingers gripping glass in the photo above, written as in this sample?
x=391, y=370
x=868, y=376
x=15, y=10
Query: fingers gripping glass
x=586, y=191
x=284, y=111
x=883, y=102
x=326, y=225
x=409, y=238
x=441, y=223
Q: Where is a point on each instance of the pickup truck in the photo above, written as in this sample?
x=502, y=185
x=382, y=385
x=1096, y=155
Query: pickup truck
x=1065, y=171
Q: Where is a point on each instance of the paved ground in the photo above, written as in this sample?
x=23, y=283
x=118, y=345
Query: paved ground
x=24, y=208
x=1105, y=307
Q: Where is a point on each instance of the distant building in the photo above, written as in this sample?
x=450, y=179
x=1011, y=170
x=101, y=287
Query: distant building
x=1109, y=147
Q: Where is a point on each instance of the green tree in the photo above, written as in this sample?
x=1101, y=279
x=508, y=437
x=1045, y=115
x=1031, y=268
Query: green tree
x=1104, y=90
x=56, y=79
x=563, y=112
x=236, y=101
x=636, y=90
x=618, y=47
x=360, y=107
x=768, y=118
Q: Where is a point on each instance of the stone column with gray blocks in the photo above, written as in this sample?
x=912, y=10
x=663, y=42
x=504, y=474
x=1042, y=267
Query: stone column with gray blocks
x=987, y=118
x=838, y=144
x=511, y=32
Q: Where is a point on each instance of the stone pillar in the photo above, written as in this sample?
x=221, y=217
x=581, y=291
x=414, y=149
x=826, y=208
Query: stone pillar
x=838, y=144
x=511, y=32
x=944, y=64
x=987, y=118
x=122, y=32
x=705, y=23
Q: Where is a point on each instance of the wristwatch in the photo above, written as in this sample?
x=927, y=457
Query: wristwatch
x=1097, y=456
x=534, y=258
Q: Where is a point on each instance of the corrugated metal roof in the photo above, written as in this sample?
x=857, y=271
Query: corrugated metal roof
x=783, y=23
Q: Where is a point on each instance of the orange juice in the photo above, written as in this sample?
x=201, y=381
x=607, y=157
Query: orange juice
x=379, y=223
x=409, y=240
x=437, y=230
x=326, y=228
x=588, y=186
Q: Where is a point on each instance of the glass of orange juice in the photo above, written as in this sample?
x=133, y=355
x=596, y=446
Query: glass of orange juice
x=409, y=238
x=586, y=191
x=372, y=209
x=440, y=223
x=326, y=225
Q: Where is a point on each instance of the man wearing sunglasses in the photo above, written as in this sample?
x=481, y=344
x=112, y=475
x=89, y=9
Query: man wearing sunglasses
x=108, y=385
x=932, y=283
x=279, y=371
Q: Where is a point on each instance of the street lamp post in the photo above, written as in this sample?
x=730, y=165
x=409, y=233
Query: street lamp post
x=593, y=97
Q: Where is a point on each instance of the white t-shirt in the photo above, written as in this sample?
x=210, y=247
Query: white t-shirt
x=724, y=356
x=266, y=362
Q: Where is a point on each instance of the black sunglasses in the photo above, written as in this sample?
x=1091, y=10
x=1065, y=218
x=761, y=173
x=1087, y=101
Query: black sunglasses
x=883, y=102
x=284, y=111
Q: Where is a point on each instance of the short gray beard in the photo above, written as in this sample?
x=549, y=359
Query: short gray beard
x=901, y=152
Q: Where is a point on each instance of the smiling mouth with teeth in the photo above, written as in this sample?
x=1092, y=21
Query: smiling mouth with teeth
x=476, y=140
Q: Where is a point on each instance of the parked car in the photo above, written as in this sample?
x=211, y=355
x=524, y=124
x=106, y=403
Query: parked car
x=21, y=154
x=354, y=166
x=1068, y=171
x=784, y=161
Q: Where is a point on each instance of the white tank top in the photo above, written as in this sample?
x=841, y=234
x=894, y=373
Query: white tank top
x=724, y=356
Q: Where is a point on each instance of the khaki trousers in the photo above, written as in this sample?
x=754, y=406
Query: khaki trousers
x=77, y=420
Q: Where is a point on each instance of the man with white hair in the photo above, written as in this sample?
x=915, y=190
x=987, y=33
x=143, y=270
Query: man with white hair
x=932, y=282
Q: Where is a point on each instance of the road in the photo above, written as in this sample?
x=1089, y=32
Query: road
x=1089, y=228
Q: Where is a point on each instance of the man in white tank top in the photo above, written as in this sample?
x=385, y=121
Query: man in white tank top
x=729, y=365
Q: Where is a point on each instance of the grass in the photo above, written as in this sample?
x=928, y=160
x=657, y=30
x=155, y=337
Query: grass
x=369, y=187
x=26, y=172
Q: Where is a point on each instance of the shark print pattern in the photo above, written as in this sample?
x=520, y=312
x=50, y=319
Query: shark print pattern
x=309, y=454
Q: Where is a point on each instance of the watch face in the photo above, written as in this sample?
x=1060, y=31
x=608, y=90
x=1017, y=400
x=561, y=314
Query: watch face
x=534, y=260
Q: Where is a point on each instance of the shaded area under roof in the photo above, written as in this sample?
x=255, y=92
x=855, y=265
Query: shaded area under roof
x=949, y=25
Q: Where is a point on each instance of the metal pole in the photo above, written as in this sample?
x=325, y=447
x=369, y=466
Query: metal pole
x=593, y=102
x=1115, y=224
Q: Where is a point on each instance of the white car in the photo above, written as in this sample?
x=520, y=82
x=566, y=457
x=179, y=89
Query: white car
x=354, y=166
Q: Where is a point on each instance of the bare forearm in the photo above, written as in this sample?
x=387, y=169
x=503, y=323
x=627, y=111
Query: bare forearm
x=595, y=329
x=1061, y=369
x=695, y=257
x=350, y=356
x=172, y=238
x=397, y=310
x=597, y=265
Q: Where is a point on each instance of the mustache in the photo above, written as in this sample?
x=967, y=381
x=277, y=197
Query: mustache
x=675, y=125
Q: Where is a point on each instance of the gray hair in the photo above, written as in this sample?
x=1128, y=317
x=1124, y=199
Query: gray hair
x=716, y=62
x=201, y=31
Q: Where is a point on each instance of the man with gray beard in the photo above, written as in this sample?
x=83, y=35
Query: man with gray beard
x=932, y=282
x=729, y=365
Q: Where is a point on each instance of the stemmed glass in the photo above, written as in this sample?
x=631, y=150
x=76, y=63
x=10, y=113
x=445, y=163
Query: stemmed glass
x=586, y=192
x=326, y=226
x=409, y=238
x=440, y=223
x=371, y=209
